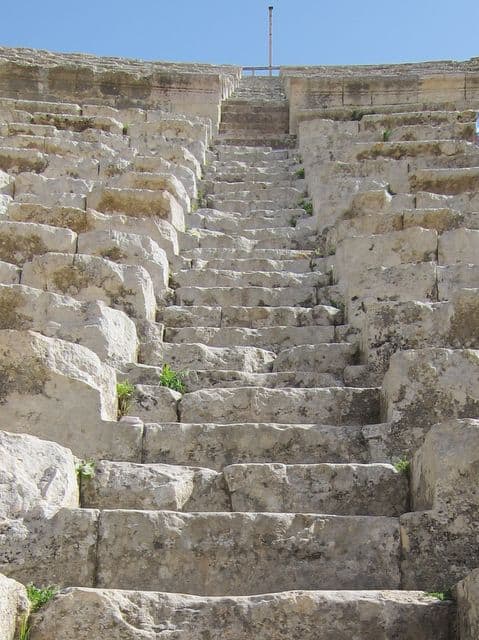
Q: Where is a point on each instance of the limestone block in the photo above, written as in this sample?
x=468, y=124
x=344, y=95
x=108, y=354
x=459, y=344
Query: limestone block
x=451, y=181
x=445, y=471
x=21, y=241
x=70, y=199
x=129, y=248
x=56, y=216
x=181, y=171
x=9, y=273
x=364, y=225
x=42, y=376
x=341, y=489
x=154, y=486
x=84, y=168
x=357, y=254
x=47, y=188
x=399, y=283
x=14, y=160
x=160, y=231
x=245, y=553
x=439, y=219
x=216, y=445
x=457, y=276
x=170, y=128
x=91, y=278
x=107, y=332
x=154, y=181
x=460, y=245
x=139, y=203
x=38, y=477
x=14, y=607
x=425, y=386
x=152, y=403
x=176, y=153
x=331, y=405
x=6, y=184
x=325, y=358
x=199, y=356
x=467, y=594
x=59, y=550
x=5, y=202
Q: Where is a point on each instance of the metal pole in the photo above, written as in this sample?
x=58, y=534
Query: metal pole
x=270, y=9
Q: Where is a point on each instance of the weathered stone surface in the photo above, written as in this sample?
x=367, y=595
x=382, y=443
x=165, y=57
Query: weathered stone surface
x=218, y=445
x=347, y=489
x=91, y=278
x=426, y=386
x=460, y=245
x=59, y=550
x=333, y=405
x=43, y=377
x=14, y=607
x=457, y=276
x=38, y=477
x=154, y=182
x=20, y=241
x=330, y=358
x=154, y=486
x=320, y=615
x=152, y=403
x=9, y=273
x=467, y=594
x=108, y=332
x=245, y=553
x=128, y=248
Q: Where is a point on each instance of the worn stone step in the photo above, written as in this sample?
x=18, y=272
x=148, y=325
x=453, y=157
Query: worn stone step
x=331, y=405
x=200, y=356
x=383, y=121
x=247, y=296
x=283, y=197
x=226, y=278
x=234, y=553
x=239, y=172
x=327, y=358
x=271, y=338
x=126, y=485
x=445, y=181
x=228, y=153
x=197, y=380
x=310, y=615
x=232, y=222
x=253, y=317
x=257, y=138
x=341, y=489
x=207, y=253
x=252, y=264
x=249, y=239
x=216, y=446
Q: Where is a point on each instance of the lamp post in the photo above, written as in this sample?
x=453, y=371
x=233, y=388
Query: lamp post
x=270, y=9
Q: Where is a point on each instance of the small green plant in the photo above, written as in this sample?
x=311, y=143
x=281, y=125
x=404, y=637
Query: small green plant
x=307, y=205
x=172, y=379
x=125, y=392
x=357, y=115
x=387, y=133
x=293, y=221
x=39, y=597
x=299, y=173
x=201, y=199
x=403, y=466
x=85, y=469
x=441, y=595
x=125, y=130
x=24, y=630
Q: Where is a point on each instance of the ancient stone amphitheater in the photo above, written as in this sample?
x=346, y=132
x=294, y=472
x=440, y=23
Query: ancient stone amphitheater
x=302, y=252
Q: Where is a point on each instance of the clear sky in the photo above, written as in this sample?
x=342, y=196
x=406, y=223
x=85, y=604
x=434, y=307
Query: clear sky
x=235, y=31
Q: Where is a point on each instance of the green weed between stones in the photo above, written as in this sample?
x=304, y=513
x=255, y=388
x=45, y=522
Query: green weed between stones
x=307, y=205
x=403, y=466
x=299, y=173
x=38, y=598
x=387, y=135
x=441, y=595
x=125, y=392
x=172, y=379
x=85, y=469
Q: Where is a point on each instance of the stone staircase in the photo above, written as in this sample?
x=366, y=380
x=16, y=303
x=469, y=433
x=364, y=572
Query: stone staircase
x=254, y=504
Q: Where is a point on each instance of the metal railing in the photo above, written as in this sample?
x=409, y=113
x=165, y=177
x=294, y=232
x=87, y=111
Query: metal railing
x=271, y=70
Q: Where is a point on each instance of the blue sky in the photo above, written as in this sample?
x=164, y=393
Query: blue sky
x=229, y=31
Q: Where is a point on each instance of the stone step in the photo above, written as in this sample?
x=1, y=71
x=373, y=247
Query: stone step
x=207, y=253
x=273, y=140
x=246, y=239
x=225, y=278
x=325, y=358
x=284, y=197
x=228, y=153
x=251, y=264
x=216, y=446
x=197, y=380
x=200, y=356
x=335, y=489
x=245, y=173
x=445, y=181
x=262, y=187
x=235, y=553
x=331, y=405
x=253, y=317
x=247, y=296
x=263, y=166
x=309, y=615
x=383, y=121
x=270, y=338
x=236, y=223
